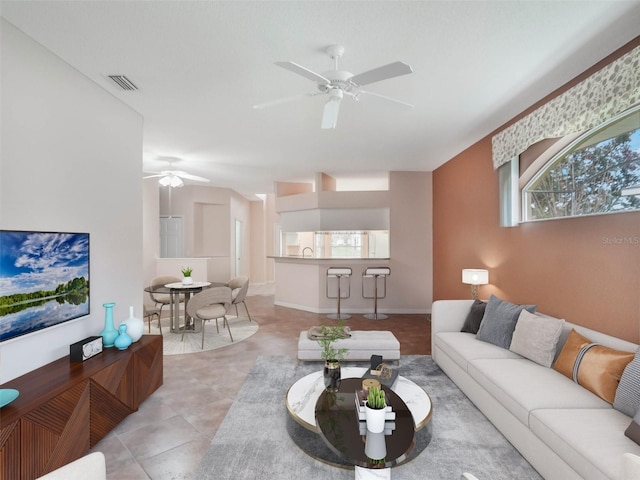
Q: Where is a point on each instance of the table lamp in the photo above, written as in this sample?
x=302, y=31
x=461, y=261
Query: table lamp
x=475, y=277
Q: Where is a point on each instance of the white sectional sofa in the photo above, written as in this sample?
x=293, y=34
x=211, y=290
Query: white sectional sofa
x=564, y=431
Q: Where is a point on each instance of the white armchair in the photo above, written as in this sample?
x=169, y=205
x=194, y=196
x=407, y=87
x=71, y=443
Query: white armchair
x=90, y=466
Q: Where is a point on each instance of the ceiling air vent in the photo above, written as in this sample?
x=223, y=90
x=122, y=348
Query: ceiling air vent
x=123, y=82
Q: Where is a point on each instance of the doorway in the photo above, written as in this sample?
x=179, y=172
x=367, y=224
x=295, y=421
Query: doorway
x=171, y=237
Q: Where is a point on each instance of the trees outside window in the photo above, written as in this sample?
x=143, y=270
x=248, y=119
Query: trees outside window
x=589, y=176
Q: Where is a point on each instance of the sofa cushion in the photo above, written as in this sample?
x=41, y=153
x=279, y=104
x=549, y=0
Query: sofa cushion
x=591, y=441
x=463, y=347
x=522, y=386
x=535, y=337
x=630, y=467
x=474, y=318
x=633, y=430
x=593, y=366
x=499, y=321
x=627, y=398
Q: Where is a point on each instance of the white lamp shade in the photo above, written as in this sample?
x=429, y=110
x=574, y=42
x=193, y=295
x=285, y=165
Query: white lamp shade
x=474, y=276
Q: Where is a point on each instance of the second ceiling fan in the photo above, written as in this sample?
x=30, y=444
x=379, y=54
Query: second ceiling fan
x=336, y=84
x=173, y=178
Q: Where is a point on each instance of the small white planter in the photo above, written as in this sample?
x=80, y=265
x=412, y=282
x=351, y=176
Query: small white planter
x=375, y=418
x=187, y=281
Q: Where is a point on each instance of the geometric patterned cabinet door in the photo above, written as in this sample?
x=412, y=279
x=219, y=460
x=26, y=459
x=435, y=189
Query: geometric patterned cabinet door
x=65, y=408
x=147, y=371
x=111, y=398
x=59, y=428
x=10, y=450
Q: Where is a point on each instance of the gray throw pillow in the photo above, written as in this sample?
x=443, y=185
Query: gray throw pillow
x=536, y=337
x=499, y=321
x=627, y=399
x=472, y=322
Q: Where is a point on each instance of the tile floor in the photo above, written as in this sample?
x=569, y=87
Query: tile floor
x=170, y=433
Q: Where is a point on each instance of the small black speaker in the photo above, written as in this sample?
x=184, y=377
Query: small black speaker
x=85, y=349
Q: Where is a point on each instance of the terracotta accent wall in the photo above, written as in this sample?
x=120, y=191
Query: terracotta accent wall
x=586, y=270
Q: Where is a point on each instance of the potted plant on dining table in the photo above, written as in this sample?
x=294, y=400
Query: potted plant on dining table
x=186, y=272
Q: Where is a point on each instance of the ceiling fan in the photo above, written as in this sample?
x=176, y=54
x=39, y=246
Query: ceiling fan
x=173, y=178
x=336, y=84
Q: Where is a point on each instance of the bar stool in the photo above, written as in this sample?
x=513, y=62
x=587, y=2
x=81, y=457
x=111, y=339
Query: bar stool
x=375, y=273
x=339, y=273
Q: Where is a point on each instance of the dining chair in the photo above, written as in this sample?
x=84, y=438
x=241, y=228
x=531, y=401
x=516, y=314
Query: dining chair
x=163, y=299
x=239, y=287
x=149, y=312
x=210, y=304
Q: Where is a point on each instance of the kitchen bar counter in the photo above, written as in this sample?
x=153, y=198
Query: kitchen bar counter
x=301, y=283
x=326, y=259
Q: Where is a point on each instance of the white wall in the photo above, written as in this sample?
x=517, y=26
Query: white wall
x=208, y=236
x=150, y=230
x=410, y=284
x=70, y=160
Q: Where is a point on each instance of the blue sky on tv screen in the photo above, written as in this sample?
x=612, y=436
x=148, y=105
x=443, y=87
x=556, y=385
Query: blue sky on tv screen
x=33, y=261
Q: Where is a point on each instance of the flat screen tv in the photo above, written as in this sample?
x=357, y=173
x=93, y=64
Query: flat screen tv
x=44, y=280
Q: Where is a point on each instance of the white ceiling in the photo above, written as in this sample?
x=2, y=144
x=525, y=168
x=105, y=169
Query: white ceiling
x=201, y=65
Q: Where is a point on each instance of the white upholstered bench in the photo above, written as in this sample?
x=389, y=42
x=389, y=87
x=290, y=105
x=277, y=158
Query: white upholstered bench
x=361, y=345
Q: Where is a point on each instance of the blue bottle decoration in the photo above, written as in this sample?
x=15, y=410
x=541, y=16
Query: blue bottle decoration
x=123, y=340
x=109, y=333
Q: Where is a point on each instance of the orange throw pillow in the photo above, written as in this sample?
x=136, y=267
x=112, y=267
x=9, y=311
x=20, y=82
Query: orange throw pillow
x=595, y=367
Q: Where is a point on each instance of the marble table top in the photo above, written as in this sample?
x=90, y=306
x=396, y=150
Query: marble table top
x=303, y=395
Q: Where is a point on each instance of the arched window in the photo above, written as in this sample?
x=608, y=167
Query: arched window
x=597, y=173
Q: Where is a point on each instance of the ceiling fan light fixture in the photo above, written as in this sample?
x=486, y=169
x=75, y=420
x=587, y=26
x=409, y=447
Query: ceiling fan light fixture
x=335, y=95
x=171, y=181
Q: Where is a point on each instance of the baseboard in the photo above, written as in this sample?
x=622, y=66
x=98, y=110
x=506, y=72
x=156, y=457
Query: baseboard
x=353, y=311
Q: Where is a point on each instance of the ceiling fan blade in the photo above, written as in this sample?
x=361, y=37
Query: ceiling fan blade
x=279, y=101
x=383, y=97
x=305, y=72
x=330, y=114
x=188, y=176
x=381, y=73
x=153, y=176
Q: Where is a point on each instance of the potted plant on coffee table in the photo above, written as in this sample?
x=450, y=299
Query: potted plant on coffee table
x=375, y=409
x=331, y=355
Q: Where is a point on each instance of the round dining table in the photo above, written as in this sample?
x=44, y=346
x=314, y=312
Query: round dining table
x=175, y=290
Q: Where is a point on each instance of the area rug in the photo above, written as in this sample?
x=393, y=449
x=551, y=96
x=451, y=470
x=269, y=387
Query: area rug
x=252, y=442
x=173, y=344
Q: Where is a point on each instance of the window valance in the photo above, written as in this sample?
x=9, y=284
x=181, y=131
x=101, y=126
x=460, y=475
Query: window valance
x=591, y=102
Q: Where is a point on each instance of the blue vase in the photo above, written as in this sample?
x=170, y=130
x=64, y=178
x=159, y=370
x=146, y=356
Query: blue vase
x=109, y=333
x=123, y=340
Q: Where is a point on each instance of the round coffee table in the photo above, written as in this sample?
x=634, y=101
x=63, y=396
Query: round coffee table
x=301, y=402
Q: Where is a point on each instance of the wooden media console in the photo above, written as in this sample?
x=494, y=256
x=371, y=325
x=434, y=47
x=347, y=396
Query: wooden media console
x=65, y=408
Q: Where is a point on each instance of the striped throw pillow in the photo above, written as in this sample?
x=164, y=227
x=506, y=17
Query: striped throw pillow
x=627, y=398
